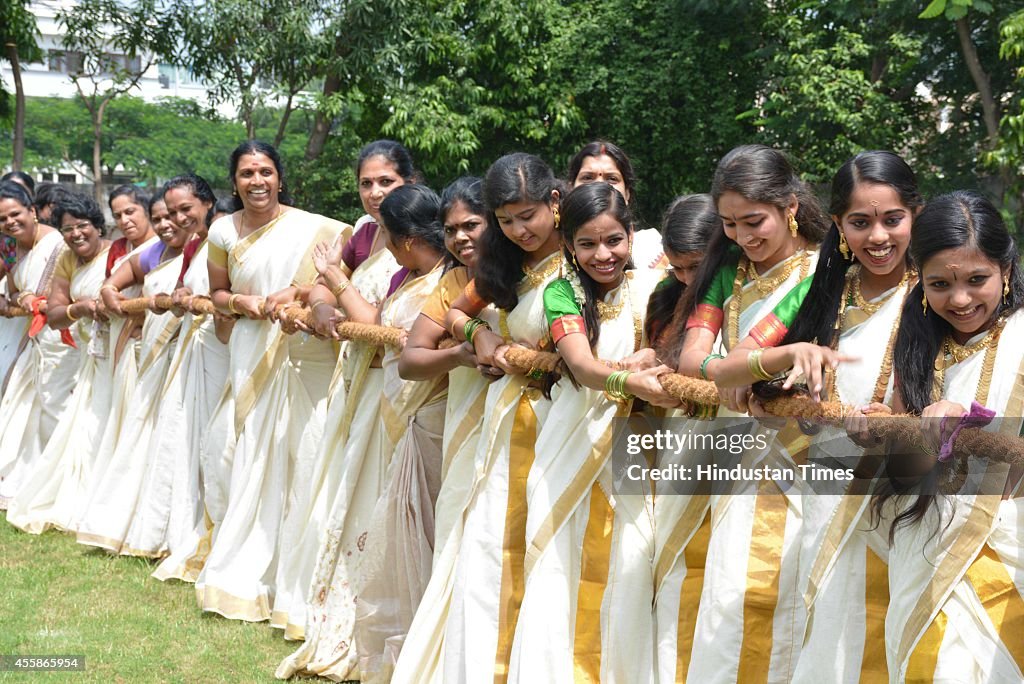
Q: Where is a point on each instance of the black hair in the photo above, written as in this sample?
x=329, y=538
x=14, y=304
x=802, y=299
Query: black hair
x=817, y=316
x=157, y=197
x=517, y=177
x=79, y=206
x=199, y=188
x=396, y=154
x=412, y=211
x=469, y=191
x=21, y=178
x=686, y=228
x=48, y=194
x=760, y=174
x=617, y=154
x=225, y=205
x=135, y=193
x=258, y=147
x=16, y=192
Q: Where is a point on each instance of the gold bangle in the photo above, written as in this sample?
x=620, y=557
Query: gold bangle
x=339, y=288
x=755, y=367
x=109, y=286
x=67, y=312
x=21, y=299
x=231, y=304
x=458, y=323
x=313, y=305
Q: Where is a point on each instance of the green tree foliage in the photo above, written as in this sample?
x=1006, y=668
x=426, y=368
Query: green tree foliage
x=18, y=35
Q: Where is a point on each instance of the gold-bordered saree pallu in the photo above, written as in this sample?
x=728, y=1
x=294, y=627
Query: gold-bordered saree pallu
x=586, y=609
x=41, y=379
x=956, y=612
x=420, y=660
x=380, y=406
x=727, y=607
x=57, y=481
x=490, y=569
x=349, y=427
x=840, y=572
x=259, y=429
x=117, y=501
x=194, y=385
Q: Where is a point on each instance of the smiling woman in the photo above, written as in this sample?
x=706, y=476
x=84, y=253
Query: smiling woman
x=41, y=380
x=56, y=482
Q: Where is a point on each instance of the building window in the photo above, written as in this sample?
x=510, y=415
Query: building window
x=65, y=62
x=66, y=178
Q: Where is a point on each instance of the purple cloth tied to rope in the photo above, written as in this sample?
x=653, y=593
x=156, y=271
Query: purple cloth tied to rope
x=978, y=416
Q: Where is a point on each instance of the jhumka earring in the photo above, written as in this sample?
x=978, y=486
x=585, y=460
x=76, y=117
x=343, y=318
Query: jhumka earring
x=558, y=218
x=1006, y=287
x=793, y=225
x=844, y=246
x=924, y=303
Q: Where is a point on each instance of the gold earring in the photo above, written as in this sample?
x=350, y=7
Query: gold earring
x=794, y=227
x=575, y=264
x=844, y=246
x=924, y=303
x=558, y=218
x=1006, y=287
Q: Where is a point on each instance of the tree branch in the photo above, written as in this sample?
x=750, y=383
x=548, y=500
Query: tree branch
x=989, y=106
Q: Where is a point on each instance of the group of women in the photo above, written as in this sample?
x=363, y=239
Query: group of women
x=439, y=510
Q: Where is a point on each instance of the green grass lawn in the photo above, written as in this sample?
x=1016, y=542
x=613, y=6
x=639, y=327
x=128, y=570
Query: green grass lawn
x=60, y=598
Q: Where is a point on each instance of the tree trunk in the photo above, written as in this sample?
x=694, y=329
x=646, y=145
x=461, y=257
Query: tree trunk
x=284, y=120
x=97, y=149
x=322, y=124
x=989, y=106
x=18, y=155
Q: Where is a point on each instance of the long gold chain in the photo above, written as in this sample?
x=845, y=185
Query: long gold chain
x=952, y=353
x=745, y=267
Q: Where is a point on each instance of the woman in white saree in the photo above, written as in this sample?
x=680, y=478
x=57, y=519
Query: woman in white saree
x=43, y=376
x=956, y=610
x=259, y=260
x=588, y=583
x=194, y=385
x=775, y=222
x=465, y=218
x=382, y=166
x=115, y=496
x=56, y=482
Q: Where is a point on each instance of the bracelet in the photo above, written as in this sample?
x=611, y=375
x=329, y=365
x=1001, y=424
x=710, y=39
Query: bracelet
x=231, y=304
x=341, y=287
x=615, y=385
x=704, y=364
x=457, y=322
x=313, y=305
x=472, y=325
x=755, y=367
x=109, y=286
x=535, y=374
x=21, y=299
x=67, y=312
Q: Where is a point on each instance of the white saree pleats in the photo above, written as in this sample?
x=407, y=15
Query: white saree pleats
x=56, y=484
x=956, y=578
x=380, y=410
x=40, y=382
x=115, y=518
x=303, y=527
x=278, y=390
x=194, y=384
x=588, y=583
x=840, y=573
x=750, y=611
x=12, y=332
x=489, y=577
x=396, y=567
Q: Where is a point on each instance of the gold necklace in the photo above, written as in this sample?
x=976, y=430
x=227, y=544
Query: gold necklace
x=607, y=312
x=870, y=308
x=951, y=353
x=767, y=285
x=744, y=267
x=535, y=278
